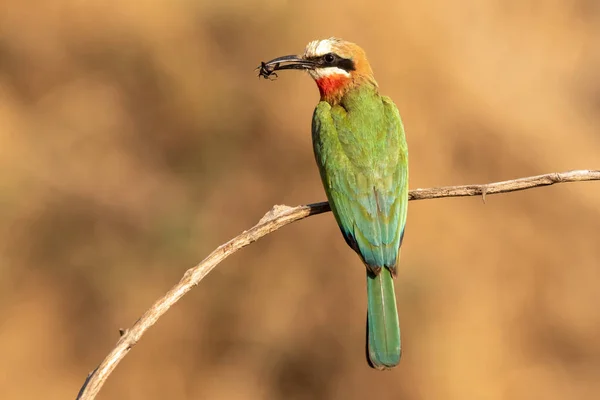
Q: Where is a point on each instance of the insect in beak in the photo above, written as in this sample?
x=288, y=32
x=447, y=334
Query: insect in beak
x=267, y=69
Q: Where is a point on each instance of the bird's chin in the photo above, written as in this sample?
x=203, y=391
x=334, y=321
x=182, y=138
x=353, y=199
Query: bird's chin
x=313, y=74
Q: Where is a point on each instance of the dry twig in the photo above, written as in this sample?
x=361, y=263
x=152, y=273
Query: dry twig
x=278, y=217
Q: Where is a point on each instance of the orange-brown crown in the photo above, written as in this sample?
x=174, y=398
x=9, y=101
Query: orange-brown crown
x=342, y=66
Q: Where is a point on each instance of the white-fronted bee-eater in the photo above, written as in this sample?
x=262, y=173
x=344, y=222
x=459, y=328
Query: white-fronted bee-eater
x=361, y=151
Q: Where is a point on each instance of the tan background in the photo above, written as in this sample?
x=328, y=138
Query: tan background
x=135, y=138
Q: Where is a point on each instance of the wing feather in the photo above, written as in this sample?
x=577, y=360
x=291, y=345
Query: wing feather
x=363, y=161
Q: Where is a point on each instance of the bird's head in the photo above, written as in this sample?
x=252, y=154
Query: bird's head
x=335, y=64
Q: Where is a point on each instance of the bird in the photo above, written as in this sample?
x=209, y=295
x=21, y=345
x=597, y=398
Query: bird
x=362, y=155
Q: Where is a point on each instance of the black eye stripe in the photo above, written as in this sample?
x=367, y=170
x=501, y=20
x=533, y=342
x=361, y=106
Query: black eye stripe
x=346, y=64
x=331, y=60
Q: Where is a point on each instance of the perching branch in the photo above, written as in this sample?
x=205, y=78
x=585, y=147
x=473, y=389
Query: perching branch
x=278, y=217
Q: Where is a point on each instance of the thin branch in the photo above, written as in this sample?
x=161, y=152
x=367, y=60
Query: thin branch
x=278, y=217
x=505, y=186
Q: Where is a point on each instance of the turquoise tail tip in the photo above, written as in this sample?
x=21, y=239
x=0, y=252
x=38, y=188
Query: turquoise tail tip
x=382, y=360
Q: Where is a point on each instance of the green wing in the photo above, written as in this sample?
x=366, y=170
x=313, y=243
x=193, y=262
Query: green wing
x=362, y=157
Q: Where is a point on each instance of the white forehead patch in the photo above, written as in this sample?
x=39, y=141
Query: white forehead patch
x=318, y=48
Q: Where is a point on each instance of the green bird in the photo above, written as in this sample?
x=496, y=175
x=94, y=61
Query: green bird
x=361, y=151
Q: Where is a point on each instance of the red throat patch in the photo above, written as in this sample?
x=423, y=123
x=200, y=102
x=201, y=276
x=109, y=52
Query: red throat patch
x=332, y=86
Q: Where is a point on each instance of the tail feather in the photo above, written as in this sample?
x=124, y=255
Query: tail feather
x=383, y=329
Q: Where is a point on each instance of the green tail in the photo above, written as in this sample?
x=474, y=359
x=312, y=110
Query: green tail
x=383, y=329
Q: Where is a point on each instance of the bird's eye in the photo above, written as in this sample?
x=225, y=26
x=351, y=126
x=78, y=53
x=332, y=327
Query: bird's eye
x=329, y=58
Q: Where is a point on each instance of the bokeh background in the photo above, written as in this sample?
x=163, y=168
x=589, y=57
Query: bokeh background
x=135, y=138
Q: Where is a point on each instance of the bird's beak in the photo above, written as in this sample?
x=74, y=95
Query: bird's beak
x=286, y=62
x=289, y=62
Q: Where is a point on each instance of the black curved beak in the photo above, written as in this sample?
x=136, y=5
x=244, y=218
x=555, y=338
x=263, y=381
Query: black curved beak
x=286, y=62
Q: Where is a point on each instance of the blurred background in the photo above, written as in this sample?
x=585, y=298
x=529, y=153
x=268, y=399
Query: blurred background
x=135, y=137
